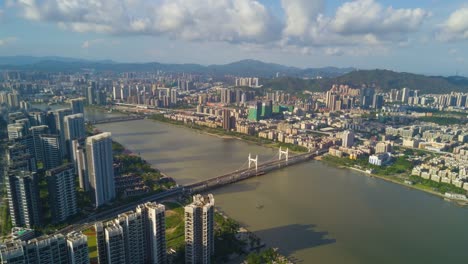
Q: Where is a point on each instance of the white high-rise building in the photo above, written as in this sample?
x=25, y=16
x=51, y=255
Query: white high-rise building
x=348, y=139
x=199, y=230
x=12, y=252
x=115, y=244
x=405, y=95
x=59, y=116
x=52, y=151
x=77, y=105
x=156, y=232
x=100, y=168
x=23, y=198
x=74, y=126
x=15, y=131
x=36, y=132
x=77, y=244
x=115, y=92
x=143, y=234
x=47, y=249
x=79, y=159
x=62, y=192
x=132, y=224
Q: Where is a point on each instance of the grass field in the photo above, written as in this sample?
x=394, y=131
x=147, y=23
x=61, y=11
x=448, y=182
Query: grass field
x=174, y=225
x=92, y=244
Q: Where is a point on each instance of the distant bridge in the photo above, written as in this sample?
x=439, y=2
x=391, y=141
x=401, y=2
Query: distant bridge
x=245, y=173
x=116, y=119
x=253, y=169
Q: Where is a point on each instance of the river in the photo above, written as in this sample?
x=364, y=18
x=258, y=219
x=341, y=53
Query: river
x=313, y=212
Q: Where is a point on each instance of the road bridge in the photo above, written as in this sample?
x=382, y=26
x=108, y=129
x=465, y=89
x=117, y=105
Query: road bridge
x=252, y=170
x=116, y=119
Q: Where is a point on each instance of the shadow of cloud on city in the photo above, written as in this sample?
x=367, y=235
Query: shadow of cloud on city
x=295, y=237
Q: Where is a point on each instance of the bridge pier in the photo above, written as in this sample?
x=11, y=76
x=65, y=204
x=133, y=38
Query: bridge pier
x=251, y=160
x=284, y=153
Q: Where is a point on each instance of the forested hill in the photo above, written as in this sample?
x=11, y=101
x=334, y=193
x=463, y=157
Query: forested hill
x=384, y=80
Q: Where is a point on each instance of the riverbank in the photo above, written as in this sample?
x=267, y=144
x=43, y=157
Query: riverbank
x=233, y=241
x=304, y=193
x=398, y=181
x=231, y=135
x=391, y=177
x=217, y=132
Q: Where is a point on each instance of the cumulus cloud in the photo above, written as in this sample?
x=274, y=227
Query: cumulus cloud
x=370, y=17
x=6, y=41
x=356, y=22
x=301, y=15
x=305, y=26
x=213, y=20
x=456, y=26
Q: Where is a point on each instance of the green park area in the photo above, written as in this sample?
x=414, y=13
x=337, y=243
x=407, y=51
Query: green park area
x=398, y=166
x=92, y=244
x=443, y=121
x=439, y=187
x=398, y=171
x=5, y=224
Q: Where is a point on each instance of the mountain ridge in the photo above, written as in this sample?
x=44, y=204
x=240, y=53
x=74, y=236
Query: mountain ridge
x=248, y=68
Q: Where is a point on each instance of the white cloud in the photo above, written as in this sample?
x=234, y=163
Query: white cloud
x=455, y=27
x=357, y=23
x=6, y=41
x=89, y=43
x=334, y=51
x=368, y=16
x=212, y=20
x=301, y=15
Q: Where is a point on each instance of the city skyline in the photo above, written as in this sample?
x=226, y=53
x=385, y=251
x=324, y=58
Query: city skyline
x=361, y=33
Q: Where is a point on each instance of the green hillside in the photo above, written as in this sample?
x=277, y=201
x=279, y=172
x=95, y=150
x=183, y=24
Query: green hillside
x=384, y=80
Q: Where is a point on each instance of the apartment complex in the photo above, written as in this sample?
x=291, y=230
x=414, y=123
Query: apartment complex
x=100, y=168
x=199, y=230
x=134, y=237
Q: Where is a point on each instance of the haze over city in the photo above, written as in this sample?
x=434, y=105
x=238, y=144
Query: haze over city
x=366, y=34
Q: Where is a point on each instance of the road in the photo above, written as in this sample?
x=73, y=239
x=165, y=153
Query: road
x=201, y=186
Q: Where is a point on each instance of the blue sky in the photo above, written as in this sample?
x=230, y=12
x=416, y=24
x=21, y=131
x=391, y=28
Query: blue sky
x=421, y=36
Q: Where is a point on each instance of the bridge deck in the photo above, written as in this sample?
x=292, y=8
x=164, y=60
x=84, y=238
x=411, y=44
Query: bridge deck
x=115, y=120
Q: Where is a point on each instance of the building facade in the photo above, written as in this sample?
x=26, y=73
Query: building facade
x=23, y=198
x=199, y=230
x=62, y=192
x=100, y=168
x=140, y=235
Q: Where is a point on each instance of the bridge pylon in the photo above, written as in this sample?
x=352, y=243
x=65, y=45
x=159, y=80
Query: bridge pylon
x=283, y=153
x=252, y=160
